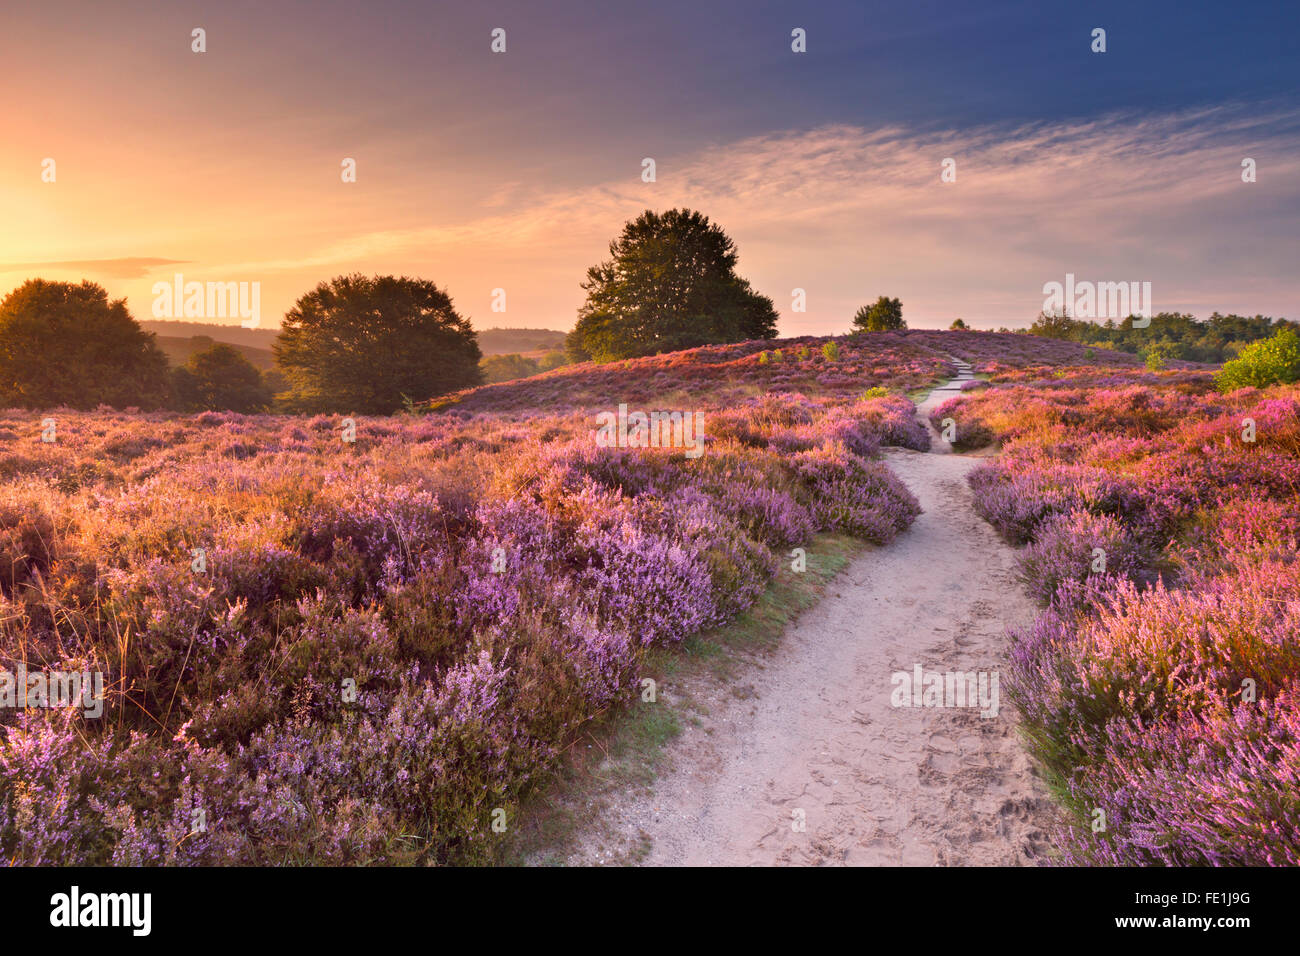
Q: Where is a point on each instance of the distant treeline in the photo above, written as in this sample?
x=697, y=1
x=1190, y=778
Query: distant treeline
x=1171, y=335
x=507, y=368
x=493, y=341
x=376, y=344
x=360, y=344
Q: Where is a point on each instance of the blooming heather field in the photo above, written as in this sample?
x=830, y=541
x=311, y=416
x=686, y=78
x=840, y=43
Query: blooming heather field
x=356, y=652
x=1159, y=686
x=349, y=652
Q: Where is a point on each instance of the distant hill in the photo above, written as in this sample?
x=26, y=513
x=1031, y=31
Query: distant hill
x=491, y=341
x=505, y=341
x=178, y=350
x=234, y=334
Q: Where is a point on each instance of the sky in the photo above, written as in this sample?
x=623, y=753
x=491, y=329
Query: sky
x=482, y=170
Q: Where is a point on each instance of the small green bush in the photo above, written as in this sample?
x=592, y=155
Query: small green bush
x=1270, y=362
x=831, y=351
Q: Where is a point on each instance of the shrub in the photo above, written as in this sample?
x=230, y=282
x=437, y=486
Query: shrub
x=1073, y=547
x=1272, y=361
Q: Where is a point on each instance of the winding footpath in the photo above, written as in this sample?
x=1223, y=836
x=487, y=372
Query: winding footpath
x=815, y=740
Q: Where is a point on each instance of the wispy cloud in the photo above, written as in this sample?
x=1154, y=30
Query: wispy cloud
x=848, y=213
x=129, y=267
x=844, y=212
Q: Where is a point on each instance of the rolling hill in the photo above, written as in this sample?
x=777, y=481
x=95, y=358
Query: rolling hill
x=174, y=339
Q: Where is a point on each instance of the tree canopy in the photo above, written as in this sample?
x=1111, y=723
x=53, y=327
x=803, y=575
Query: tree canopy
x=365, y=344
x=67, y=344
x=670, y=283
x=881, y=316
x=219, y=377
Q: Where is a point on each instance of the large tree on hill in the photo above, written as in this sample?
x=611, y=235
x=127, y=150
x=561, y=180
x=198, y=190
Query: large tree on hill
x=881, y=316
x=364, y=344
x=67, y=344
x=670, y=283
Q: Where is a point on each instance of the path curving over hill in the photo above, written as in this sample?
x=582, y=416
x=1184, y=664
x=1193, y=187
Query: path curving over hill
x=876, y=784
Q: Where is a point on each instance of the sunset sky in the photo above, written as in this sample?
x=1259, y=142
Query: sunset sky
x=481, y=170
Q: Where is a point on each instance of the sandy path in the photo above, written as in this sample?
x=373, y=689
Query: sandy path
x=876, y=784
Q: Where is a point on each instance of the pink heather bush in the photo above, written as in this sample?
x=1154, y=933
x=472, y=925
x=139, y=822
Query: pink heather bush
x=1163, y=691
x=1220, y=789
x=969, y=432
x=1065, y=549
x=392, y=638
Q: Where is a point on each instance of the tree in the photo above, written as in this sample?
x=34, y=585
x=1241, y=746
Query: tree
x=551, y=360
x=1057, y=325
x=882, y=316
x=219, y=377
x=66, y=344
x=959, y=324
x=363, y=344
x=1157, y=357
x=670, y=284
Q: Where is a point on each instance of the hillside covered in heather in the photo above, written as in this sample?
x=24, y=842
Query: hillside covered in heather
x=722, y=374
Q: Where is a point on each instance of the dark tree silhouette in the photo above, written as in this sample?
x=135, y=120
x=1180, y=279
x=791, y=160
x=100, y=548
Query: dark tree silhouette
x=66, y=344
x=366, y=344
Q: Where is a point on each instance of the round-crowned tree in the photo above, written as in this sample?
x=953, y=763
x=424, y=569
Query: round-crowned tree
x=881, y=316
x=670, y=283
x=367, y=344
x=219, y=378
x=67, y=344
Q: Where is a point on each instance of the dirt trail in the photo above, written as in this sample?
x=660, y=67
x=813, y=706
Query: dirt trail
x=876, y=784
